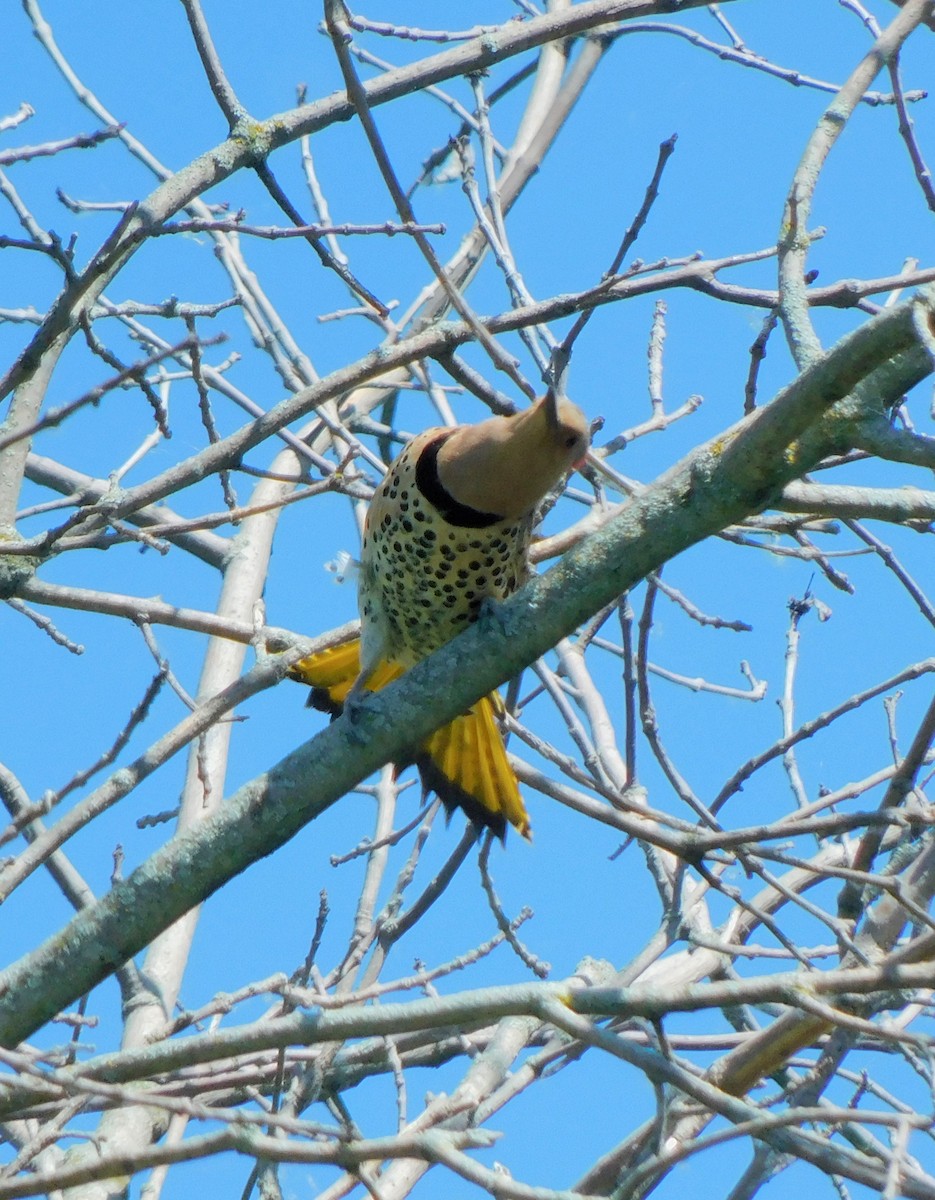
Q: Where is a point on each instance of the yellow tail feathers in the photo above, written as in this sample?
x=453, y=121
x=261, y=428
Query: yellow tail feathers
x=331, y=675
x=464, y=762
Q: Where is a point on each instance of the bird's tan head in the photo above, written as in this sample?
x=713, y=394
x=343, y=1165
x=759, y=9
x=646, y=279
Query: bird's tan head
x=507, y=464
x=569, y=433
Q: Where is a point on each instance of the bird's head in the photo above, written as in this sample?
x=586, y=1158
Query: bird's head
x=506, y=465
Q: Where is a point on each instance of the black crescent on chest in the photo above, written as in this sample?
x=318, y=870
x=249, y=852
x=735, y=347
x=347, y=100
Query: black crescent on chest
x=434, y=491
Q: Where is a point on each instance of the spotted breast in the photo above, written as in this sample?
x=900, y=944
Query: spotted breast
x=427, y=561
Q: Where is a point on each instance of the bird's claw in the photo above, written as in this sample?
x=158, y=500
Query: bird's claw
x=354, y=709
x=492, y=609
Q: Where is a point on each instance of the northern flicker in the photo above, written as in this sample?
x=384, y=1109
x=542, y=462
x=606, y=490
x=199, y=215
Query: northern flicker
x=448, y=528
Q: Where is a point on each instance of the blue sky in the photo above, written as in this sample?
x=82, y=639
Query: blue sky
x=740, y=133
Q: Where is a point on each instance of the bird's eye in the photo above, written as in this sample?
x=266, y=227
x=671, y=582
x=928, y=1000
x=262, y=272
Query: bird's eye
x=571, y=440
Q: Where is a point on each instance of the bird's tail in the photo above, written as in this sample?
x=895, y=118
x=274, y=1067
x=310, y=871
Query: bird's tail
x=464, y=762
x=332, y=673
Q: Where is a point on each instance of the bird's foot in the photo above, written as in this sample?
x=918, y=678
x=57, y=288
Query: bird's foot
x=492, y=609
x=355, y=703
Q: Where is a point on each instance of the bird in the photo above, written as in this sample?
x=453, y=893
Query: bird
x=447, y=532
